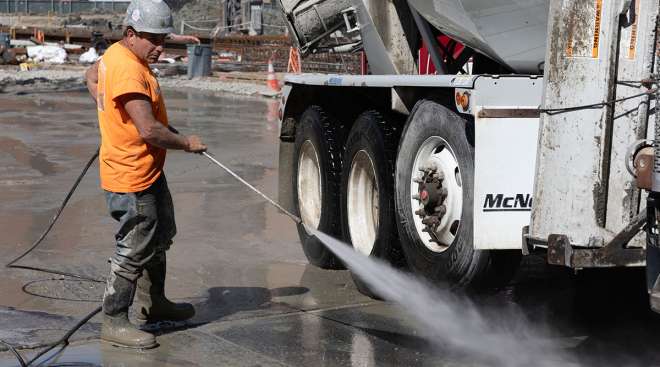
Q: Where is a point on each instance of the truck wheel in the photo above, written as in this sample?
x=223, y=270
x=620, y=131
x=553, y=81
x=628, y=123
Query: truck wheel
x=434, y=196
x=316, y=184
x=367, y=192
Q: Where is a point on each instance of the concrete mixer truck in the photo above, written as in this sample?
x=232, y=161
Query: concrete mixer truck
x=481, y=131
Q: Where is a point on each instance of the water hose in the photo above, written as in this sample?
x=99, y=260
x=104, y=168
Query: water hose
x=12, y=264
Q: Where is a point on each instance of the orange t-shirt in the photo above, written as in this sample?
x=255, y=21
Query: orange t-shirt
x=127, y=162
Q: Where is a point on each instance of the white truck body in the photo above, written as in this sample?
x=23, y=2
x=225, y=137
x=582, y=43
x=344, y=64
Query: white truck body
x=540, y=172
x=505, y=156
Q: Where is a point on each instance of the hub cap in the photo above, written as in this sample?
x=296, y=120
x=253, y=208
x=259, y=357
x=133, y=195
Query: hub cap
x=436, y=194
x=309, y=185
x=362, y=203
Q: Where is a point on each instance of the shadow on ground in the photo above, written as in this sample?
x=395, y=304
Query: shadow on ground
x=225, y=301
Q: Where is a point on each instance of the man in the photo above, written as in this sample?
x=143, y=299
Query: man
x=134, y=139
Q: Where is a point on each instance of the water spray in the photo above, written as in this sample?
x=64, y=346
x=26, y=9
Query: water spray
x=442, y=316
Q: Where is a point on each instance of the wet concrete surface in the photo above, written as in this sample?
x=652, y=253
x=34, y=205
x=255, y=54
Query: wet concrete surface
x=239, y=262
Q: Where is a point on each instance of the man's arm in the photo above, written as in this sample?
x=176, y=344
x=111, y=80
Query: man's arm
x=182, y=38
x=92, y=79
x=152, y=131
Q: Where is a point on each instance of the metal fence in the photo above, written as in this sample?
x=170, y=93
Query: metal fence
x=60, y=6
x=258, y=50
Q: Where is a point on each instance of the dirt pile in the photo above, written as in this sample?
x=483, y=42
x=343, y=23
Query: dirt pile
x=246, y=88
x=97, y=21
x=206, y=14
x=70, y=77
x=41, y=80
x=196, y=11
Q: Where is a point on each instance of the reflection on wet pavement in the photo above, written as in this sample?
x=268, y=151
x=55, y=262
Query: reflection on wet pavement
x=238, y=261
x=24, y=156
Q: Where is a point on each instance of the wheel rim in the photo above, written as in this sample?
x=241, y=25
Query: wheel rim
x=436, y=194
x=362, y=203
x=309, y=185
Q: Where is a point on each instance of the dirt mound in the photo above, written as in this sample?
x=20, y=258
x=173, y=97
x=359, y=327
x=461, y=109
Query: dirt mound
x=195, y=11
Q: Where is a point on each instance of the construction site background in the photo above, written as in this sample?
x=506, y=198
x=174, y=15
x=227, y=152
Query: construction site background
x=255, y=17
x=245, y=34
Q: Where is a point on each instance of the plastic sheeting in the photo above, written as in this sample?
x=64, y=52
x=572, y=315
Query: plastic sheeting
x=88, y=57
x=50, y=54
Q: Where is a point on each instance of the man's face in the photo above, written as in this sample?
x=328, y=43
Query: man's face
x=147, y=46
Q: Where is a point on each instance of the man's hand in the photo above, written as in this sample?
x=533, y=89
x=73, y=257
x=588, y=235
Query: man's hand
x=183, y=38
x=195, y=144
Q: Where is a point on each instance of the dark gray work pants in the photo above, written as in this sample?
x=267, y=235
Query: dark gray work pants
x=146, y=228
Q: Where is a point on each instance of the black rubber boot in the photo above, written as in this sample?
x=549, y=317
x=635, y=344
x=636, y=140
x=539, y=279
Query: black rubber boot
x=152, y=305
x=653, y=252
x=654, y=297
x=653, y=276
x=116, y=328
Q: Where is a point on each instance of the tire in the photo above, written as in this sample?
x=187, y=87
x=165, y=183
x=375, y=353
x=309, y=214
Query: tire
x=367, y=171
x=436, y=137
x=316, y=184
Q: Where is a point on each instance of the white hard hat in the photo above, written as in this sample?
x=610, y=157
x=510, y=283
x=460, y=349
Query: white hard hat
x=152, y=16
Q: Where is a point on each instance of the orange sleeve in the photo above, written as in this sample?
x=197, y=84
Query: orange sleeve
x=129, y=81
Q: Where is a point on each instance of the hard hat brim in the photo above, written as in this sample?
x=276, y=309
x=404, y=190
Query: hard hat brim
x=166, y=30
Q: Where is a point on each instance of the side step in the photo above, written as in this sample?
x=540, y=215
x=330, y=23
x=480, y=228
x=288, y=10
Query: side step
x=615, y=253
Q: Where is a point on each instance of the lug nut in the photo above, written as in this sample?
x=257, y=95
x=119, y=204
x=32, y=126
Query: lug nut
x=431, y=221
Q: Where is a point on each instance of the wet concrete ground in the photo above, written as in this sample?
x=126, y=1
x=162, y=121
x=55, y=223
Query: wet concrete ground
x=239, y=262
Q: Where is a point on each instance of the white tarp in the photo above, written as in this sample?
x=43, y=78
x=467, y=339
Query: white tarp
x=88, y=57
x=51, y=54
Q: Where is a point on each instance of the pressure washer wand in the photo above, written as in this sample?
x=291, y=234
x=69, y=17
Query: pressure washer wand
x=239, y=178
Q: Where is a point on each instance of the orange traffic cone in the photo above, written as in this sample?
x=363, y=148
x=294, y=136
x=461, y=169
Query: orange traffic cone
x=273, y=84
